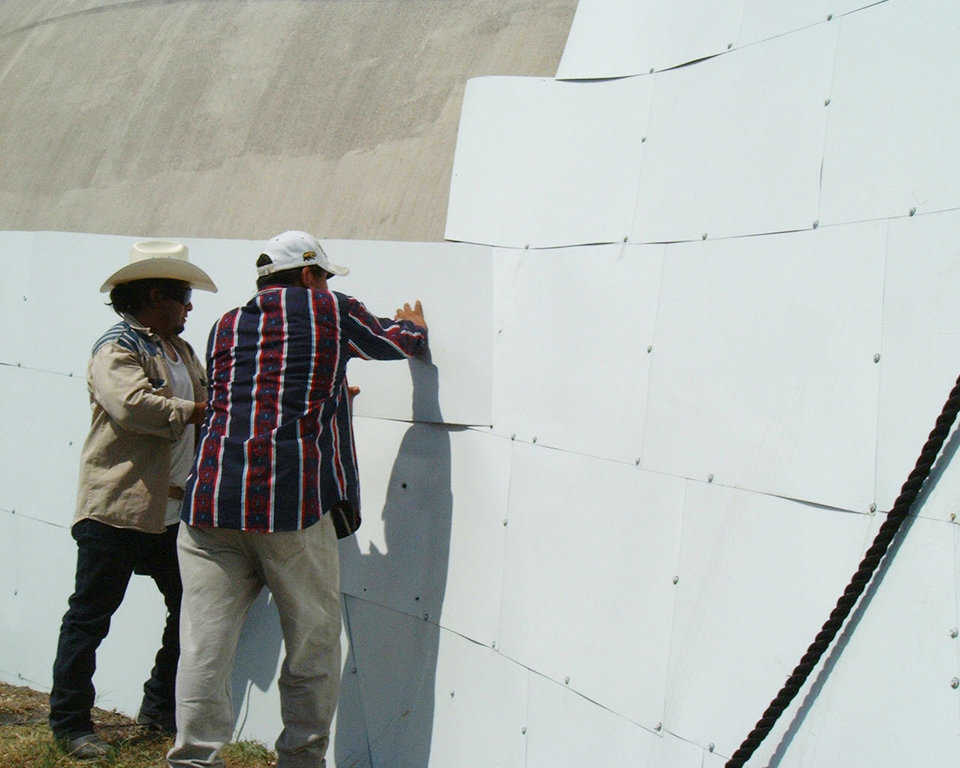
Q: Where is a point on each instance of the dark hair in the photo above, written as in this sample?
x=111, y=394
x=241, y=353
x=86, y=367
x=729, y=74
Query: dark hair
x=285, y=277
x=134, y=296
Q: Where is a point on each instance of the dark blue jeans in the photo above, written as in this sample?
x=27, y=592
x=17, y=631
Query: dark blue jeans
x=106, y=558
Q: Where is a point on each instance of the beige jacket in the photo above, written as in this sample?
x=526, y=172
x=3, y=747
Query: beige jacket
x=125, y=463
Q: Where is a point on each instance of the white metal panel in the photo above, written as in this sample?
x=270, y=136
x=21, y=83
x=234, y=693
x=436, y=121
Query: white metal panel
x=46, y=560
x=763, y=371
x=408, y=669
x=763, y=19
x=417, y=551
x=565, y=729
x=758, y=576
x=919, y=363
x=888, y=698
x=47, y=416
x=547, y=163
x=455, y=283
x=573, y=348
x=890, y=143
x=592, y=547
x=735, y=143
x=612, y=38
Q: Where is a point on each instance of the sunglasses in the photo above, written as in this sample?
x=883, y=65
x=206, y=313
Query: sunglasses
x=180, y=295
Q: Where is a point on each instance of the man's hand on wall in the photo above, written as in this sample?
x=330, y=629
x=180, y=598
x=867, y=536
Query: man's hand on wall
x=414, y=315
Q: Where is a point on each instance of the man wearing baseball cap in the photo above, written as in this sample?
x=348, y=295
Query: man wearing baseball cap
x=147, y=392
x=273, y=486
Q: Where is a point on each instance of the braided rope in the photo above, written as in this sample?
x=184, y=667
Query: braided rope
x=859, y=581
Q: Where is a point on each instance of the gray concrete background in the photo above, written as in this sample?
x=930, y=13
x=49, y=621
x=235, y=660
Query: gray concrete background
x=218, y=118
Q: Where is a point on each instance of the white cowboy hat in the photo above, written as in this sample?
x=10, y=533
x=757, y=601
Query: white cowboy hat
x=160, y=259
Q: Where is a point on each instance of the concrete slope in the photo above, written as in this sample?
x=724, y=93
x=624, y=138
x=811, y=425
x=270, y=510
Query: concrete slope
x=239, y=119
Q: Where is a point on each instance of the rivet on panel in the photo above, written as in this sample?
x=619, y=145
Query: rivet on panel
x=513, y=436
x=70, y=442
x=913, y=211
x=625, y=238
x=658, y=727
x=703, y=236
x=493, y=644
x=452, y=694
x=873, y=508
x=829, y=17
x=649, y=348
x=876, y=358
x=504, y=523
x=710, y=478
x=711, y=746
x=729, y=46
x=426, y=615
x=417, y=597
x=676, y=579
x=566, y=680
x=353, y=670
x=652, y=70
x=534, y=440
x=953, y=516
x=816, y=223
x=636, y=462
x=523, y=730
x=643, y=139
x=16, y=592
x=826, y=102
x=954, y=633
x=527, y=246
x=955, y=683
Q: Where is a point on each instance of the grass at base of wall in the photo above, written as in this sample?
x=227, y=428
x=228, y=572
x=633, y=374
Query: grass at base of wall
x=26, y=742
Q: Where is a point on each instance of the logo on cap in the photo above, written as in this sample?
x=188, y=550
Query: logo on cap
x=309, y=256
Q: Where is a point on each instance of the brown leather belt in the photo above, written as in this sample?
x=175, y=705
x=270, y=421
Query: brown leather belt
x=176, y=493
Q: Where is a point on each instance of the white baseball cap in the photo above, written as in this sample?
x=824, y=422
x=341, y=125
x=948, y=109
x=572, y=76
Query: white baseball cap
x=160, y=258
x=293, y=249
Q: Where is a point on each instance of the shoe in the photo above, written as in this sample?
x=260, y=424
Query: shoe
x=87, y=746
x=164, y=723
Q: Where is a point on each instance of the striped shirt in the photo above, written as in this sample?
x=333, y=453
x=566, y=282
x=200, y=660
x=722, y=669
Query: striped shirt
x=276, y=449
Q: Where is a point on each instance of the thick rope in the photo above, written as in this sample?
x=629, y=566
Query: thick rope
x=895, y=517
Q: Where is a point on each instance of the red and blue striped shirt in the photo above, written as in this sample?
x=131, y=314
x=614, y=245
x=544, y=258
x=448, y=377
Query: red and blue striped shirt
x=276, y=448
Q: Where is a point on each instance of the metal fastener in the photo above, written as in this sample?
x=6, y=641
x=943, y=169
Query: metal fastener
x=676, y=579
x=816, y=223
x=658, y=727
x=913, y=211
x=953, y=515
x=625, y=238
x=829, y=17
x=711, y=746
x=523, y=730
x=873, y=508
x=353, y=670
x=826, y=102
x=652, y=69
x=504, y=523
x=954, y=633
x=452, y=694
x=527, y=246
x=417, y=597
x=566, y=680
x=534, y=440
x=955, y=683
x=493, y=644
x=649, y=348
x=513, y=436
x=703, y=236
x=729, y=46
x=876, y=358
x=636, y=462
x=643, y=139
x=710, y=478
x=426, y=615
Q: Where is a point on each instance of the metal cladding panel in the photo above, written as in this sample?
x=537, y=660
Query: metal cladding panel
x=758, y=576
x=763, y=19
x=565, y=729
x=47, y=415
x=888, y=698
x=54, y=296
x=763, y=372
x=544, y=163
x=592, y=544
x=919, y=363
x=13, y=640
x=44, y=567
x=891, y=131
x=417, y=552
x=735, y=143
x=612, y=38
x=576, y=349
x=408, y=668
x=455, y=283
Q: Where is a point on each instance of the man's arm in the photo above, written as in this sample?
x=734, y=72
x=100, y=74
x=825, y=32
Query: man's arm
x=121, y=387
x=380, y=338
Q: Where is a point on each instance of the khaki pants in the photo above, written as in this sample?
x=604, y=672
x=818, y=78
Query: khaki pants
x=223, y=571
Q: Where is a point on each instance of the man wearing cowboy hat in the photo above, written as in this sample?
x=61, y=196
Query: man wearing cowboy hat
x=273, y=485
x=147, y=391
